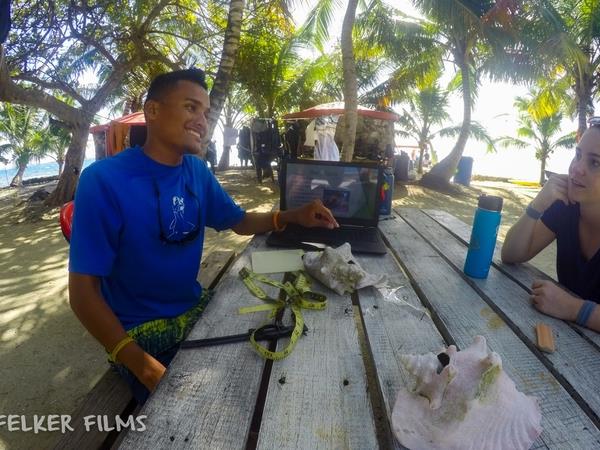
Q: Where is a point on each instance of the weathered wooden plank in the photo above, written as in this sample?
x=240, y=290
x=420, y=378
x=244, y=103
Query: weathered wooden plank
x=395, y=325
x=523, y=273
x=208, y=396
x=213, y=266
x=110, y=397
x=575, y=358
x=465, y=315
x=323, y=403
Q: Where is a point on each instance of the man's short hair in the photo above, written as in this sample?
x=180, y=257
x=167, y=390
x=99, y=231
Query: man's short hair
x=164, y=82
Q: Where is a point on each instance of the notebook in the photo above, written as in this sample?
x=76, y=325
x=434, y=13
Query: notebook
x=350, y=190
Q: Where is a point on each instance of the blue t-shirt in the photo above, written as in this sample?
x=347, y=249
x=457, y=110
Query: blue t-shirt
x=123, y=205
x=574, y=272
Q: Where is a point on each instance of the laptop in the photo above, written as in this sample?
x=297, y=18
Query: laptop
x=352, y=192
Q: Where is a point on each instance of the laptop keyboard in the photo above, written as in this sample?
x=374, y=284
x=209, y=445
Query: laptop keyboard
x=338, y=235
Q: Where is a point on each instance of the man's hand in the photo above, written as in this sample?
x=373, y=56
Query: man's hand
x=556, y=188
x=152, y=374
x=313, y=214
x=550, y=299
x=145, y=367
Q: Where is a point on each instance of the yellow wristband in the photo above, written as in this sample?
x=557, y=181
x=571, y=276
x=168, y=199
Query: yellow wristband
x=112, y=356
x=276, y=222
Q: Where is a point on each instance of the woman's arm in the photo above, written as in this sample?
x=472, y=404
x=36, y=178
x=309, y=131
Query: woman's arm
x=529, y=235
x=525, y=239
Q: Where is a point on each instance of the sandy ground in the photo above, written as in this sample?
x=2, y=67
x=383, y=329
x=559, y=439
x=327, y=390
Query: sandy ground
x=49, y=362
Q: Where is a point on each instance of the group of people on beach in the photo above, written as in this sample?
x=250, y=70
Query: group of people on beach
x=138, y=231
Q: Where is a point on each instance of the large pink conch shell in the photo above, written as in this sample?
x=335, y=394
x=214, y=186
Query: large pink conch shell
x=470, y=403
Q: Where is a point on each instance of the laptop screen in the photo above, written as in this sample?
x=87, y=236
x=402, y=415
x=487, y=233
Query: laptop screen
x=349, y=190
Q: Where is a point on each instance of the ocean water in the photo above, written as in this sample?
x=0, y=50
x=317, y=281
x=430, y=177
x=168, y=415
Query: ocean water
x=45, y=169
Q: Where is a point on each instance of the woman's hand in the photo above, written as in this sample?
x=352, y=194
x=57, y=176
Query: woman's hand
x=556, y=188
x=551, y=299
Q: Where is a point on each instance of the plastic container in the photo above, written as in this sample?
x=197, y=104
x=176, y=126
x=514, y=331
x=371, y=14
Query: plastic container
x=483, y=236
x=387, y=192
x=401, y=166
x=464, y=171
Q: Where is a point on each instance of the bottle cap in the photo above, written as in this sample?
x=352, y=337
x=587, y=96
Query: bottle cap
x=490, y=202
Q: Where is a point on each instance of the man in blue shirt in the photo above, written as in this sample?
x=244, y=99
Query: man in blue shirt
x=138, y=231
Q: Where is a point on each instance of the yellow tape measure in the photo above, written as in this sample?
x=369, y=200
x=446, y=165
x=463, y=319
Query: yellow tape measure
x=298, y=296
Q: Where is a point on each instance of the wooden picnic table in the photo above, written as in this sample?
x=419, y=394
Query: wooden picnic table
x=338, y=387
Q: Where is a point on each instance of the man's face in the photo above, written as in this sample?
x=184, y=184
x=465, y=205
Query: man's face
x=584, y=171
x=178, y=119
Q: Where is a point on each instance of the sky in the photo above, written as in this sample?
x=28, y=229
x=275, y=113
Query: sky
x=494, y=109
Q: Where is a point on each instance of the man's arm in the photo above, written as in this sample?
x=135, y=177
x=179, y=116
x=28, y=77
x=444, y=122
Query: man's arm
x=313, y=214
x=91, y=309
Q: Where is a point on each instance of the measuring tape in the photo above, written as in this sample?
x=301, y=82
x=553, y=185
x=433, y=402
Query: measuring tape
x=298, y=296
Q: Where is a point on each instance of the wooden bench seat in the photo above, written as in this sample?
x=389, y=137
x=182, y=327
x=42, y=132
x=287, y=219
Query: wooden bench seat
x=111, y=396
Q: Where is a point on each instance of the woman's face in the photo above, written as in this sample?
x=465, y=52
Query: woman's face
x=584, y=171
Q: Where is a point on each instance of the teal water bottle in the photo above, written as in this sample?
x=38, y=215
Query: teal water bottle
x=483, y=236
x=387, y=192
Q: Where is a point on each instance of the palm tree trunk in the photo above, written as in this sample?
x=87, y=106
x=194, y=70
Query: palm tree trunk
x=100, y=145
x=73, y=161
x=17, y=180
x=543, y=169
x=350, y=83
x=584, y=99
x=225, y=156
x=421, y=153
x=231, y=45
x=440, y=174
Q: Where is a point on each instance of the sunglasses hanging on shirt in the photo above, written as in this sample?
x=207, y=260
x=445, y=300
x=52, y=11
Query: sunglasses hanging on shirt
x=186, y=236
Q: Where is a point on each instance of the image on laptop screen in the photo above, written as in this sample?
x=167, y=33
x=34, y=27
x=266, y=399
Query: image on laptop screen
x=349, y=191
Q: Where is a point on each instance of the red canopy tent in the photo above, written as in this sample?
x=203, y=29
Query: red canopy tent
x=336, y=109
x=117, y=130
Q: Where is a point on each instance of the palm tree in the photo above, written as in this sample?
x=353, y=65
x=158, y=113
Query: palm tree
x=234, y=113
x=574, y=42
x=54, y=140
x=426, y=108
x=231, y=44
x=471, y=34
x=354, y=27
x=21, y=126
x=350, y=83
x=538, y=127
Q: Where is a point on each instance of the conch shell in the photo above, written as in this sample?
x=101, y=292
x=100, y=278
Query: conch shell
x=337, y=269
x=464, y=400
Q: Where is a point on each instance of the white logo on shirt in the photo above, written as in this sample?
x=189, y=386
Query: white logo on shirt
x=178, y=205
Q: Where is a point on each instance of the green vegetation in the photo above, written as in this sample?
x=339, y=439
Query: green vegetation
x=539, y=122
x=72, y=60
